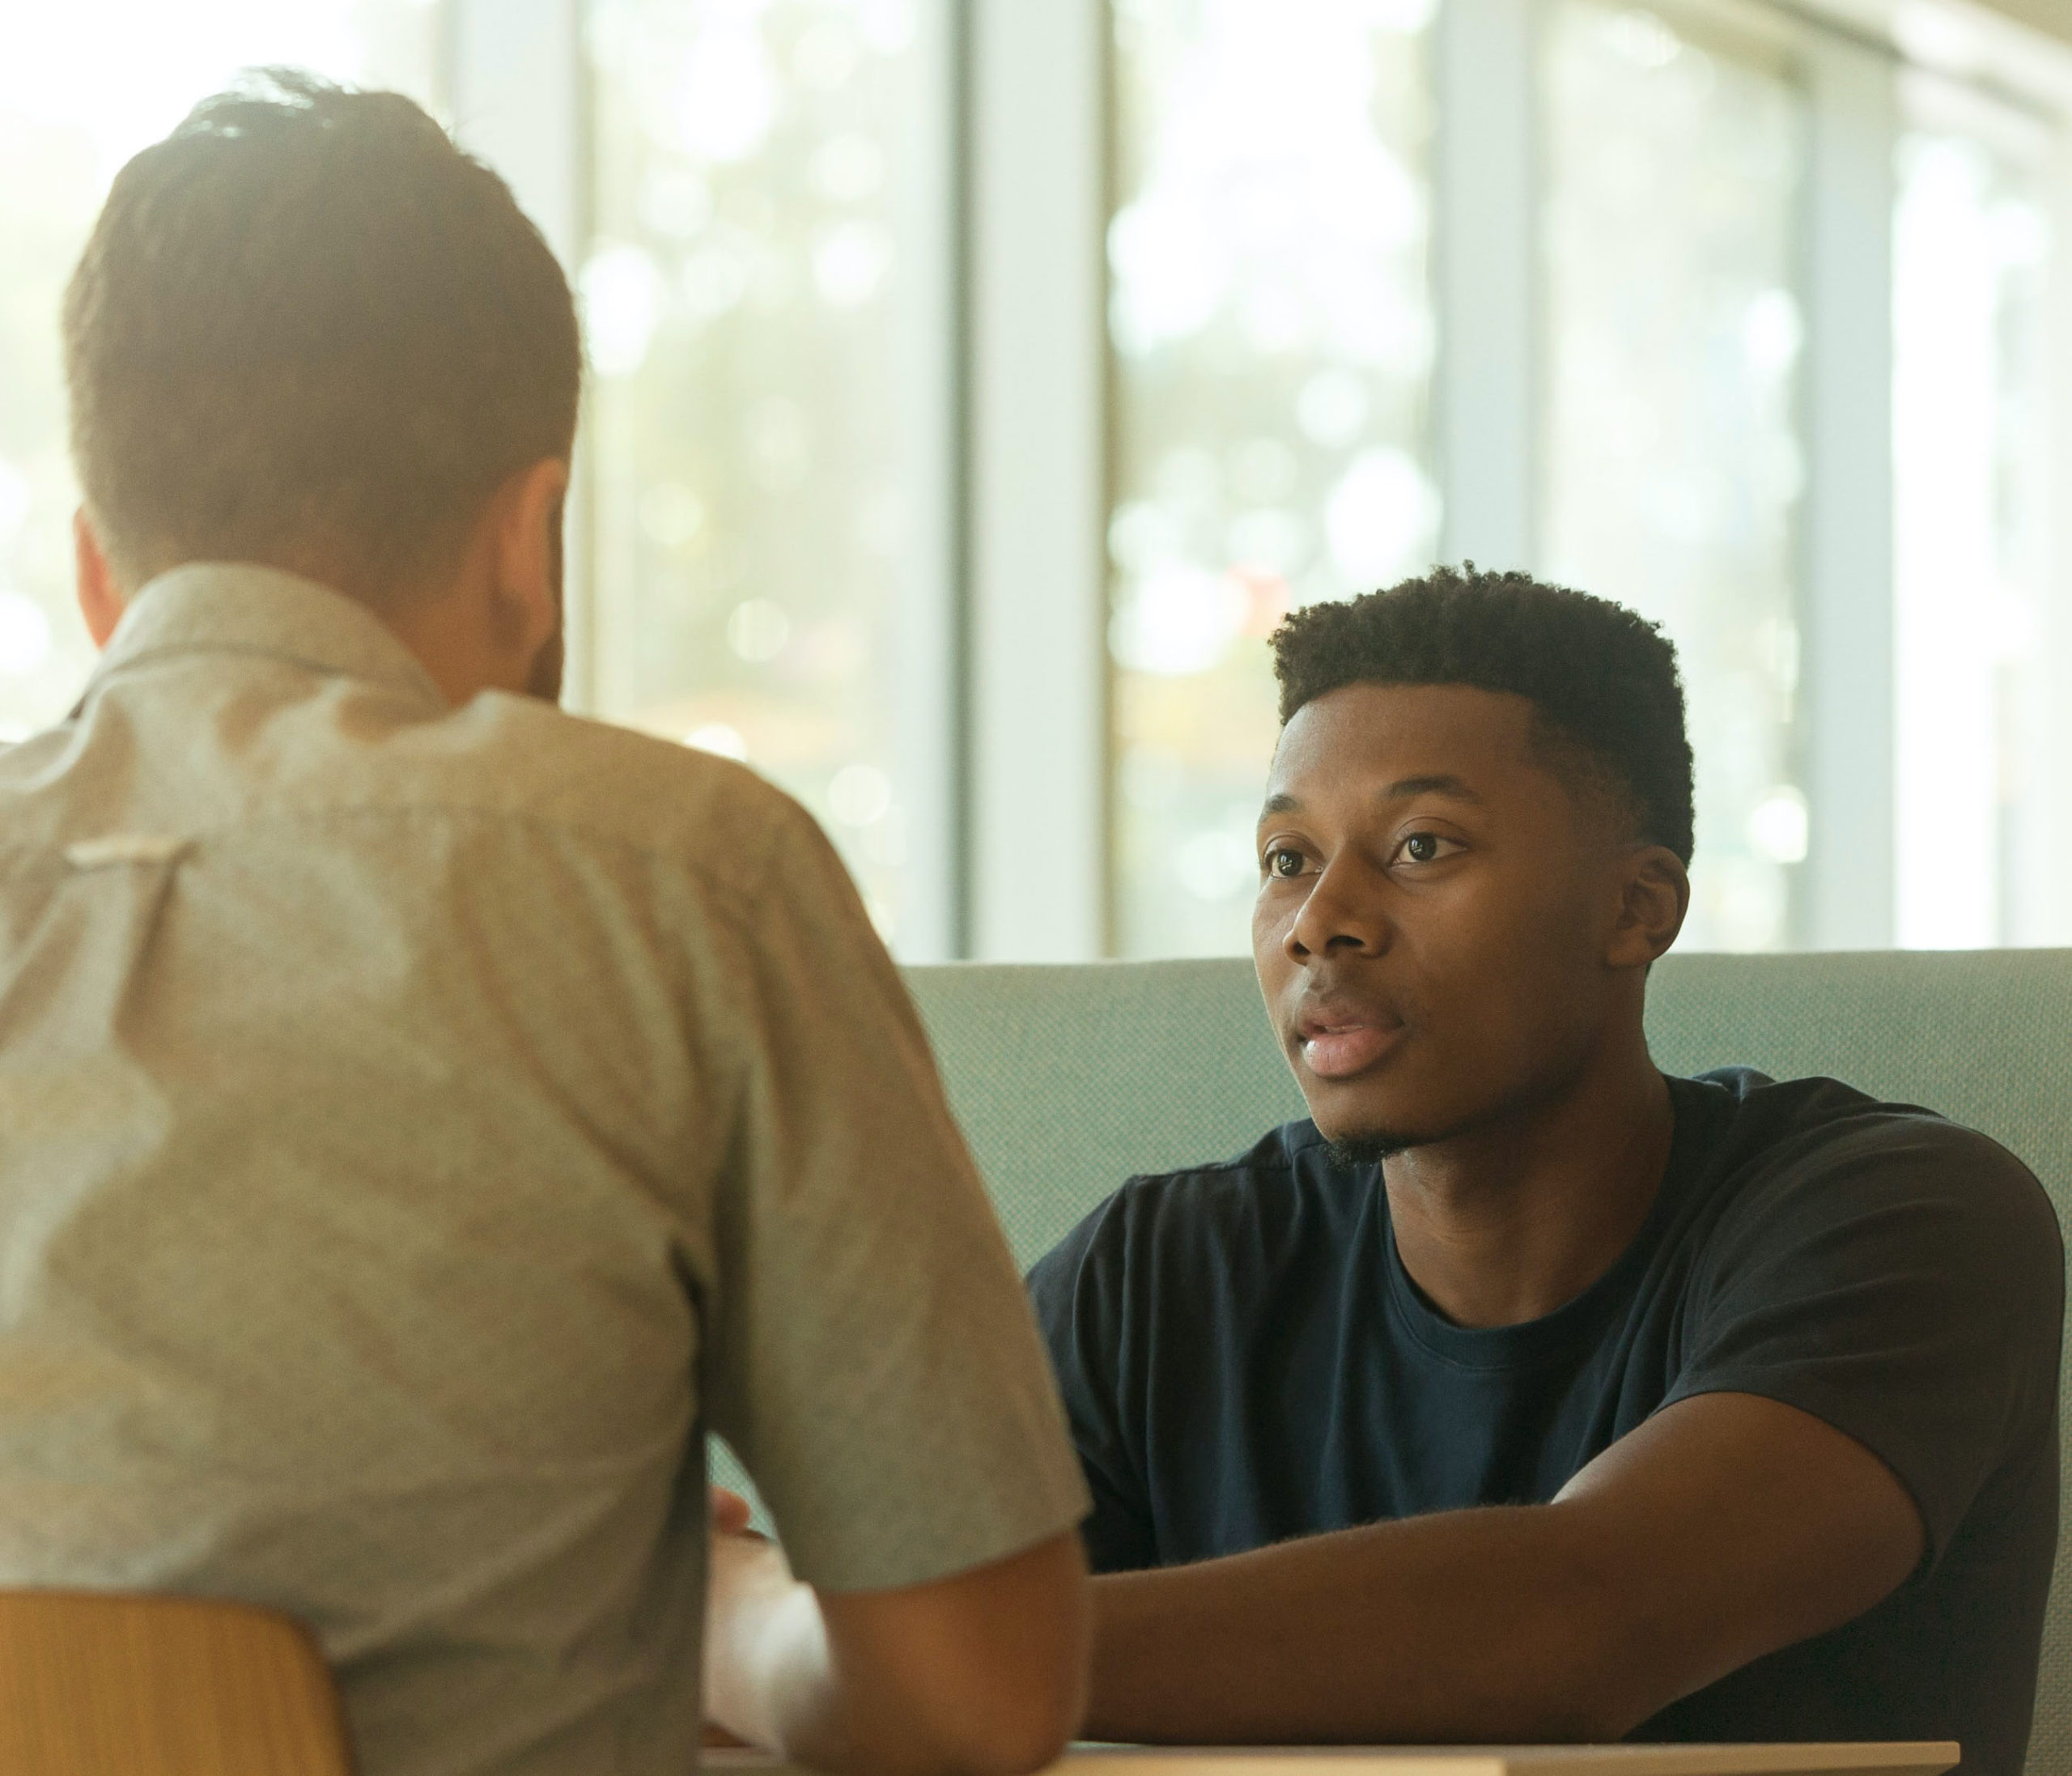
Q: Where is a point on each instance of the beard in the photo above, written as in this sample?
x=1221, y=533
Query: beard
x=1354, y=1151
x=1375, y=1146
x=543, y=678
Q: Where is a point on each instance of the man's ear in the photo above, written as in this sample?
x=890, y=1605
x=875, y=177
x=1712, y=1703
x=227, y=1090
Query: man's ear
x=1654, y=895
x=529, y=555
x=100, y=600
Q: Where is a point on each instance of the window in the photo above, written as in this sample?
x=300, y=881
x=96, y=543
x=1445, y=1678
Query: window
x=1672, y=461
x=1272, y=346
x=757, y=296
x=1975, y=770
x=977, y=382
x=71, y=114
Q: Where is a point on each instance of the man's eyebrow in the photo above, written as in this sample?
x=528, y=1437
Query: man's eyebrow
x=1438, y=784
x=1456, y=788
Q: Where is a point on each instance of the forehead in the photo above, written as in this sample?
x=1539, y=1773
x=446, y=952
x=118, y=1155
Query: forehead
x=1359, y=737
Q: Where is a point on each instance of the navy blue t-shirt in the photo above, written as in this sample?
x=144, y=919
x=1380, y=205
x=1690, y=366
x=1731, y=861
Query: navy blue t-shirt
x=1245, y=1359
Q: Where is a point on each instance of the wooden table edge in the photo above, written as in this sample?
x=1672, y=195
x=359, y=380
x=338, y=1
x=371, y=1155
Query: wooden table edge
x=1899, y=1758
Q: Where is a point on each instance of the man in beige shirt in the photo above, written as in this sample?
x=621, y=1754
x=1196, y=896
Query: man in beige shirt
x=422, y=1114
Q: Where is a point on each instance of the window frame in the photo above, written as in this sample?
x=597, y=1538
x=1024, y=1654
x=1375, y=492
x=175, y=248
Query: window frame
x=1008, y=639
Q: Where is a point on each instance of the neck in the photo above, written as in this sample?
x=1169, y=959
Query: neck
x=461, y=636
x=1507, y=1223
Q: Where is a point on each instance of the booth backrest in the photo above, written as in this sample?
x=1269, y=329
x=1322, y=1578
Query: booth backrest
x=1069, y=1079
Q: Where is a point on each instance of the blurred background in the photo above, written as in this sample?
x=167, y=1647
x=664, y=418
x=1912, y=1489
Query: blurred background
x=976, y=383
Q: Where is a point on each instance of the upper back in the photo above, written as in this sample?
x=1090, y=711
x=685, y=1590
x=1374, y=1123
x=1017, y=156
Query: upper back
x=366, y=1095
x=419, y=1123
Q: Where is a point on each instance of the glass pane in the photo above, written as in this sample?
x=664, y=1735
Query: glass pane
x=1672, y=466
x=71, y=113
x=1972, y=249
x=1272, y=352
x=757, y=303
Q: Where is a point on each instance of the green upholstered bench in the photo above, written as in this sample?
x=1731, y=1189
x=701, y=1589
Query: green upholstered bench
x=1069, y=1079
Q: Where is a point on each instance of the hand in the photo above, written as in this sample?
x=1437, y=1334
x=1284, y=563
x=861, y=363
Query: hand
x=747, y=1582
x=981, y=1673
x=730, y=1513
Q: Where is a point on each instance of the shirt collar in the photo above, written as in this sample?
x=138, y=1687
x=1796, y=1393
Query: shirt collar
x=239, y=607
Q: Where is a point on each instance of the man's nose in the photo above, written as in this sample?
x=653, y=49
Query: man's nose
x=1345, y=912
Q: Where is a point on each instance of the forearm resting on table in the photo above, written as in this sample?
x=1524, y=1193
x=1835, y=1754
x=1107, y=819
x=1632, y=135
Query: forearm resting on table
x=981, y=1674
x=1481, y=1626
x=1724, y=1528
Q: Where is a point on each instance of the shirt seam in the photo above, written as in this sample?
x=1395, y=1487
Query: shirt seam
x=417, y=686
x=1280, y=1163
x=630, y=848
x=1830, y=1409
x=1561, y=1351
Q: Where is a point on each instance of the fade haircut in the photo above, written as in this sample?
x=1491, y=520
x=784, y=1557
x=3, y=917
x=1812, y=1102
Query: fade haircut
x=1607, y=702
x=308, y=331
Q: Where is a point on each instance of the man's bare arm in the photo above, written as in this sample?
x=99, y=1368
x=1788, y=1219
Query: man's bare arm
x=979, y=1674
x=1725, y=1527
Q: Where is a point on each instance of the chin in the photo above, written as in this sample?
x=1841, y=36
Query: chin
x=1356, y=1150
x=1365, y=1133
x=1380, y=1133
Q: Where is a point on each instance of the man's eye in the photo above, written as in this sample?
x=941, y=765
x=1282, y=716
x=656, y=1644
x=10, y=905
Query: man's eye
x=1281, y=861
x=1422, y=848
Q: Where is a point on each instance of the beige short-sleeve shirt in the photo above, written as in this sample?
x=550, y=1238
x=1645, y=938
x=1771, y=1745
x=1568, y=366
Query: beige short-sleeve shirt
x=416, y=1126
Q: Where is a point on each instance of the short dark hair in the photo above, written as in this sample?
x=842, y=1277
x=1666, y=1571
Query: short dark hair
x=307, y=331
x=1602, y=680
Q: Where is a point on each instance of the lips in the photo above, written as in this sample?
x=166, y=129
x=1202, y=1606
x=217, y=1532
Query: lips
x=1338, y=1042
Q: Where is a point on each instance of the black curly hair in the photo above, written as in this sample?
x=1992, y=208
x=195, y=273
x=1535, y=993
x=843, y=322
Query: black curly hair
x=1603, y=680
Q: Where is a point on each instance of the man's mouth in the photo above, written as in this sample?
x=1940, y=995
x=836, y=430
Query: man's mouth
x=1337, y=1045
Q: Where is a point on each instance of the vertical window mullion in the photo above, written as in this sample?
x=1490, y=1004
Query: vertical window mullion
x=1846, y=620
x=926, y=640
x=1486, y=280
x=2053, y=863
x=1037, y=480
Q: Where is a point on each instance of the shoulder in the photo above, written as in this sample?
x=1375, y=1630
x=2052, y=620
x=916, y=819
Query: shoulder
x=1806, y=1159
x=1799, y=1129
x=594, y=777
x=526, y=774
x=572, y=813
x=1284, y=1187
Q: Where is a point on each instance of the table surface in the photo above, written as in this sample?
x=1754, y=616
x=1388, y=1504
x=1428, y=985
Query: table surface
x=1929, y=1759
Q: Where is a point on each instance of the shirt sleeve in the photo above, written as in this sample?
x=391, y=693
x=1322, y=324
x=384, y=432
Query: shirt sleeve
x=1903, y=1280
x=1079, y=1291
x=871, y=1356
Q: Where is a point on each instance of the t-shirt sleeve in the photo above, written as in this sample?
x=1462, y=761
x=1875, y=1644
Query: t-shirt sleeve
x=1901, y=1278
x=1079, y=1289
x=871, y=1355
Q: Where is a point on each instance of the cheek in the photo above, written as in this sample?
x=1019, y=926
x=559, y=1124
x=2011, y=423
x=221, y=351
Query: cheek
x=1507, y=967
x=1276, y=907
x=1269, y=925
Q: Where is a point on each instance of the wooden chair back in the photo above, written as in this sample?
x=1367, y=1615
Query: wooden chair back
x=95, y=1682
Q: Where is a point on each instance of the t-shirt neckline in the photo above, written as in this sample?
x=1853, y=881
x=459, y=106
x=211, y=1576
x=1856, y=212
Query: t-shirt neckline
x=1696, y=1105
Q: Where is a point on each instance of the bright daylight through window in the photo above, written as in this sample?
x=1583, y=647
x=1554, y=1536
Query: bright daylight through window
x=1272, y=346
x=754, y=301
x=71, y=114
x=1977, y=768
x=1671, y=458
x=780, y=245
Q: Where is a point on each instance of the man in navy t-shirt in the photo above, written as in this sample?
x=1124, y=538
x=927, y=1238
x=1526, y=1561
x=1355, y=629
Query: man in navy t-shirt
x=1522, y=1393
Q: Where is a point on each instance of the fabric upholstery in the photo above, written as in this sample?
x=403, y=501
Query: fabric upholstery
x=1069, y=1079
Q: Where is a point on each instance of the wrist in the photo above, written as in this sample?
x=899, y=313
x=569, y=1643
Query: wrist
x=757, y=1618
